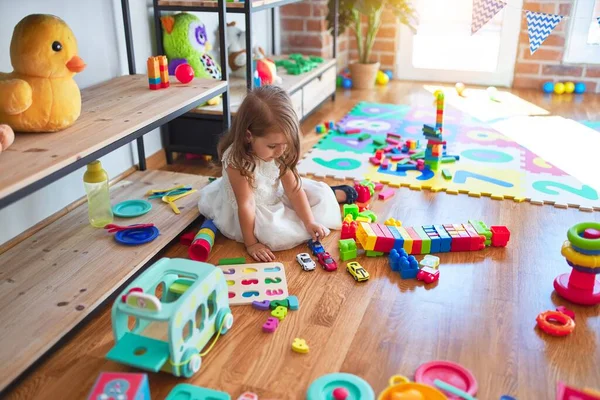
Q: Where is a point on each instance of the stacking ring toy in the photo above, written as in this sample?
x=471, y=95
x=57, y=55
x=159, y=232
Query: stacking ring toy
x=576, y=232
x=543, y=322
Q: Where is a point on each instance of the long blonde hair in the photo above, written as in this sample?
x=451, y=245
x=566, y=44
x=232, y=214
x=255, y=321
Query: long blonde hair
x=265, y=110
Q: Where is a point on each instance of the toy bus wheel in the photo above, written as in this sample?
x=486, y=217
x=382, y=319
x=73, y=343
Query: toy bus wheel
x=225, y=317
x=194, y=363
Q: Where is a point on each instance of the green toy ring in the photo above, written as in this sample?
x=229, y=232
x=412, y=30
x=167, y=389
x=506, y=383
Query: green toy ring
x=578, y=241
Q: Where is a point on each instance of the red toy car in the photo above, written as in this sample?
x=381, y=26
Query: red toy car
x=428, y=275
x=326, y=261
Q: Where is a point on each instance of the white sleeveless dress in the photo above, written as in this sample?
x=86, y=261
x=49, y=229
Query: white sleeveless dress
x=276, y=224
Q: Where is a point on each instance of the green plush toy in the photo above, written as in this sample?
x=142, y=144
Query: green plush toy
x=185, y=41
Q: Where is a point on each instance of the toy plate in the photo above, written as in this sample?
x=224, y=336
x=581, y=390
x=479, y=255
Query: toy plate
x=323, y=387
x=449, y=372
x=132, y=208
x=133, y=237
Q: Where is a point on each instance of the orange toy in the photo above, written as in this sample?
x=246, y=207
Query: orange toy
x=7, y=137
x=40, y=95
x=567, y=324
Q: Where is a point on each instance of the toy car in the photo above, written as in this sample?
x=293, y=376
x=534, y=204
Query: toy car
x=306, y=262
x=428, y=275
x=316, y=247
x=357, y=271
x=326, y=261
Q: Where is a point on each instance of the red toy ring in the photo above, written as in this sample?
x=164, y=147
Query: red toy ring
x=567, y=324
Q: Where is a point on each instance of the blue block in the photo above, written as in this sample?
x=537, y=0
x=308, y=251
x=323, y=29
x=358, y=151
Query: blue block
x=436, y=245
x=409, y=273
x=405, y=167
x=396, y=150
x=445, y=238
x=399, y=240
x=154, y=81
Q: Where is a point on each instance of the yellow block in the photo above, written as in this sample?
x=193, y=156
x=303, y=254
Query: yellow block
x=348, y=218
x=583, y=260
x=208, y=232
x=392, y=222
x=366, y=236
x=408, y=241
x=153, y=67
x=363, y=219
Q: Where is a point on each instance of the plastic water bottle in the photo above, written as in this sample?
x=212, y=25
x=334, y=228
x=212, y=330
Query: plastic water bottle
x=95, y=180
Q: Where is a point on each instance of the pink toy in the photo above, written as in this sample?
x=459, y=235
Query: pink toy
x=340, y=393
x=351, y=131
x=379, y=154
x=184, y=73
x=375, y=160
x=428, y=275
x=271, y=325
x=388, y=149
x=378, y=187
x=120, y=385
x=384, y=164
x=564, y=392
x=392, y=141
x=397, y=157
x=566, y=311
x=386, y=194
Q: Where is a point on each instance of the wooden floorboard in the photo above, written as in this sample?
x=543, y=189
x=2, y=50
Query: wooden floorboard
x=481, y=313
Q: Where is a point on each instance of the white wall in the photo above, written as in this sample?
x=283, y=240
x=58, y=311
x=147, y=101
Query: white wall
x=98, y=27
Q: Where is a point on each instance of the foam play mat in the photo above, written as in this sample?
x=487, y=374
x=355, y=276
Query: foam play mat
x=490, y=164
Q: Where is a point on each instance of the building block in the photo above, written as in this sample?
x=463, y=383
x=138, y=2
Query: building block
x=385, y=240
x=379, y=154
x=348, y=218
x=378, y=187
x=378, y=142
x=392, y=222
x=428, y=275
x=500, y=235
x=232, y=261
x=371, y=253
x=405, y=264
x=461, y=241
x=375, y=160
x=430, y=261
x=364, y=137
x=370, y=185
x=349, y=230
x=365, y=236
x=364, y=194
x=397, y=157
x=408, y=241
x=425, y=241
x=280, y=312
x=368, y=214
x=388, y=149
x=347, y=249
x=386, y=194
x=351, y=209
x=434, y=238
x=477, y=240
x=446, y=174
x=398, y=239
x=446, y=240
x=271, y=325
x=264, y=305
x=163, y=66
x=351, y=131
x=417, y=241
x=293, y=303
x=120, y=385
x=363, y=219
x=300, y=346
x=277, y=303
x=482, y=229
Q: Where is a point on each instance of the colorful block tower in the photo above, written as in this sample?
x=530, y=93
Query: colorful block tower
x=158, y=72
x=435, y=142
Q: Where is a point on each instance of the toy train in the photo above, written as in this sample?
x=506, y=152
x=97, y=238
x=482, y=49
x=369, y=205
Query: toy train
x=472, y=236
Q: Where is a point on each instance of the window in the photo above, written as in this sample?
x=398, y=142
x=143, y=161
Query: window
x=583, y=43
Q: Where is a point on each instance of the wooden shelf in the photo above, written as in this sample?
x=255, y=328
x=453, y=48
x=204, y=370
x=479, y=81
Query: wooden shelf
x=231, y=6
x=113, y=114
x=51, y=281
x=237, y=86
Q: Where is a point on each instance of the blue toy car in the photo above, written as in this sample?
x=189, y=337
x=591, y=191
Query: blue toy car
x=316, y=247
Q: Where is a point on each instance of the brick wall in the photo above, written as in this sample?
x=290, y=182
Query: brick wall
x=531, y=71
x=304, y=30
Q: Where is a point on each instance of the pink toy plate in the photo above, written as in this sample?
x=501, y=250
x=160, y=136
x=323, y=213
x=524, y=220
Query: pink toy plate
x=449, y=372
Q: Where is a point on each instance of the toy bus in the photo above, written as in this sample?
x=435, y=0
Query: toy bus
x=165, y=317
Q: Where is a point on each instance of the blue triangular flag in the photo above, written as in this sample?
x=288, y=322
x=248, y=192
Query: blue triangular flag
x=598, y=18
x=539, y=27
x=483, y=11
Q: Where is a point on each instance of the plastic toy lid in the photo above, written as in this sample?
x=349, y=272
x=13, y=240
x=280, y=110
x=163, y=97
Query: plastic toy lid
x=133, y=237
x=132, y=208
x=449, y=372
x=355, y=387
x=411, y=391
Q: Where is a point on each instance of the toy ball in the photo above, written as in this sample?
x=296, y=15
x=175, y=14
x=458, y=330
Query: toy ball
x=559, y=88
x=569, y=87
x=340, y=393
x=382, y=78
x=389, y=73
x=580, y=87
x=347, y=83
x=548, y=87
x=492, y=92
x=460, y=88
x=184, y=73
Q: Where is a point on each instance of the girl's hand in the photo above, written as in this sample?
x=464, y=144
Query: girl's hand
x=317, y=231
x=260, y=252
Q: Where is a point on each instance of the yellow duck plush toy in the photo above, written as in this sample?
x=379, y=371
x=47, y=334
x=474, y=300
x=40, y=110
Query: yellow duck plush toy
x=40, y=95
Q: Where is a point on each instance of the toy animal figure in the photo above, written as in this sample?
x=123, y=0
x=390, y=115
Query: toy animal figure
x=40, y=95
x=236, y=50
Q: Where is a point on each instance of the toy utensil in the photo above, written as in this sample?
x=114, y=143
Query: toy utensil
x=155, y=191
x=116, y=228
x=170, y=200
x=171, y=192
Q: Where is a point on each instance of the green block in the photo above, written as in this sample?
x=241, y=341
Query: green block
x=371, y=253
x=378, y=141
x=351, y=209
x=482, y=229
x=417, y=155
x=369, y=214
x=404, y=161
x=425, y=240
x=348, y=255
x=363, y=137
x=446, y=174
x=448, y=160
x=276, y=303
x=347, y=249
x=232, y=261
x=316, y=59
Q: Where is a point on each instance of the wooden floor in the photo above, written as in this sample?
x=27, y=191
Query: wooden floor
x=480, y=314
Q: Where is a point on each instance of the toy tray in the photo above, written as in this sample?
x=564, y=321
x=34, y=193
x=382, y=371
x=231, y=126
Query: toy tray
x=255, y=282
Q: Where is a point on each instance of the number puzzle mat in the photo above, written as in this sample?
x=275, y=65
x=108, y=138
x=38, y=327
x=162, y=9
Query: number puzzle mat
x=491, y=164
x=255, y=282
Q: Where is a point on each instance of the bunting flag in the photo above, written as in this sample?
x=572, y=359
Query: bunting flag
x=483, y=11
x=539, y=27
x=598, y=18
